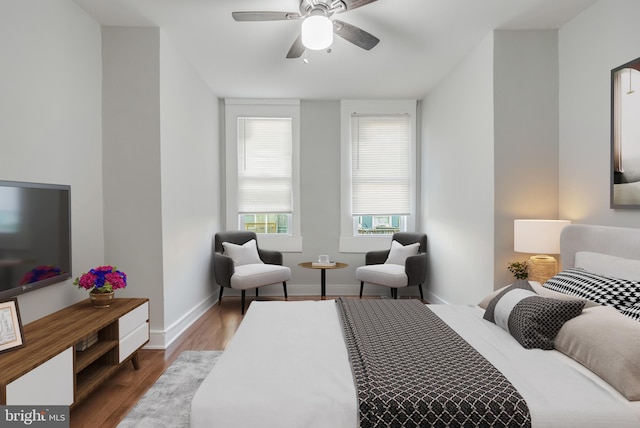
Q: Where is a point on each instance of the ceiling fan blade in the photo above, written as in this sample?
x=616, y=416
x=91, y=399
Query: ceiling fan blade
x=354, y=4
x=264, y=16
x=354, y=35
x=297, y=49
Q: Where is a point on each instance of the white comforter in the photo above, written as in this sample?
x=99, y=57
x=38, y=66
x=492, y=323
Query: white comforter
x=287, y=366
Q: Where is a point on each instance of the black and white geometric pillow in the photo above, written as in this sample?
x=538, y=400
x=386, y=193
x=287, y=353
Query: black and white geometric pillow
x=521, y=284
x=632, y=312
x=616, y=292
x=534, y=321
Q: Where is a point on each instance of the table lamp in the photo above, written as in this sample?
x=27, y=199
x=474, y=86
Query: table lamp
x=540, y=237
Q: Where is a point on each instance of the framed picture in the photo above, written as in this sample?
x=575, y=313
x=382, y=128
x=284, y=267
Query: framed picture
x=625, y=135
x=11, y=336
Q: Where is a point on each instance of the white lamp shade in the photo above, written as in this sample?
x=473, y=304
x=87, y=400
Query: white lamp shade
x=538, y=236
x=317, y=32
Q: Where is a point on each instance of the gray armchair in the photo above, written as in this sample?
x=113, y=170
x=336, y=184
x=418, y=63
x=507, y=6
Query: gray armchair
x=248, y=269
x=381, y=270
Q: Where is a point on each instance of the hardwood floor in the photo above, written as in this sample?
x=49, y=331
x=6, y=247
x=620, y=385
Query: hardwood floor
x=108, y=405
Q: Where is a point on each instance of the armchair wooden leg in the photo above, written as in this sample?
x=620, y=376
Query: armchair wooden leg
x=420, y=287
x=284, y=286
x=394, y=291
x=242, y=301
x=220, y=296
x=256, y=291
x=361, y=288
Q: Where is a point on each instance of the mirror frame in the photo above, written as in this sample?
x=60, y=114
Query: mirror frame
x=613, y=204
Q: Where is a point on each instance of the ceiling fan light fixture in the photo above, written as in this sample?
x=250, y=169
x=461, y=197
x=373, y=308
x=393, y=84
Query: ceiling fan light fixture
x=317, y=32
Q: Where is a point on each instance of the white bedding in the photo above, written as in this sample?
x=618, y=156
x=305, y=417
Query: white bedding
x=556, y=393
x=287, y=366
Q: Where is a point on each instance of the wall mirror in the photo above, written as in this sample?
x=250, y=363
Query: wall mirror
x=625, y=135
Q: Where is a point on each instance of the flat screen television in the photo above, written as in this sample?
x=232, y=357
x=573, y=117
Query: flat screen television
x=35, y=236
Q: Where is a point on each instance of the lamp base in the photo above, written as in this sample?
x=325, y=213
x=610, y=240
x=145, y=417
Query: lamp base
x=541, y=268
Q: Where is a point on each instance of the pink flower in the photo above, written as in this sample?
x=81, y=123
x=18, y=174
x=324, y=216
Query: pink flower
x=87, y=281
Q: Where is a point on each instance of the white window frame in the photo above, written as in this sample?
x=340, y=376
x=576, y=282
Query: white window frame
x=349, y=242
x=235, y=108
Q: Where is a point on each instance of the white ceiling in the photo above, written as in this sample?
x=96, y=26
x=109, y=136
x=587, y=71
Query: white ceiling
x=420, y=41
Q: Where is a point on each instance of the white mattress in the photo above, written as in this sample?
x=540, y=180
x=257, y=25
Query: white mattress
x=287, y=366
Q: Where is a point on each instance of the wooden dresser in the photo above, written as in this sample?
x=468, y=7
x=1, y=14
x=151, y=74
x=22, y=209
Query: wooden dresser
x=49, y=370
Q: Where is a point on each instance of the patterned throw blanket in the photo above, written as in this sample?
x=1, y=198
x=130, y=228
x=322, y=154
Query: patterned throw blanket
x=412, y=370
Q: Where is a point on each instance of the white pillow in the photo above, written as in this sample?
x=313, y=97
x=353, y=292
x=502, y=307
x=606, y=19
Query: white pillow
x=245, y=254
x=609, y=266
x=399, y=253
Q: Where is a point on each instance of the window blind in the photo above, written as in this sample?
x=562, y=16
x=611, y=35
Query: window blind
x=380, y=170
x=265, y=165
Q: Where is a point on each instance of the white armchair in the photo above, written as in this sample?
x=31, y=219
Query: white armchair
x=238, y=263
x=403, y=265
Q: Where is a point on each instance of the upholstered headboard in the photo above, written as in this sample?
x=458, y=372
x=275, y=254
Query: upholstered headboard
x=615, y=241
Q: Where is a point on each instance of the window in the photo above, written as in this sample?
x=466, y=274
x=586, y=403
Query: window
x=265, y=168
x=262, y=164
x=378, y=172
x=9, y=210
x=379, y=225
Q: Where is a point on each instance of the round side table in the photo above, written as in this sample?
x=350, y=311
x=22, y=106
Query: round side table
x=323, y=274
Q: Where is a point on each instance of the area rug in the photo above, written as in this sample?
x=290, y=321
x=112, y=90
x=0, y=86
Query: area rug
x=168, y=402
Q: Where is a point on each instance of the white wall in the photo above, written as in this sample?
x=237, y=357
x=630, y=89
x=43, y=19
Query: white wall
x=50, y=124
x=526, y=136
x=131, y=159
x=162, y=201
x=490, y=155
x=191, y=211
x=603, y=37
x=458, y=180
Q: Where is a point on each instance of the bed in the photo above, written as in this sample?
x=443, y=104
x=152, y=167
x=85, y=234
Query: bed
x=350, y=363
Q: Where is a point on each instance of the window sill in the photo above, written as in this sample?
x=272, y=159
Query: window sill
x=362, y=244
x=285, y=244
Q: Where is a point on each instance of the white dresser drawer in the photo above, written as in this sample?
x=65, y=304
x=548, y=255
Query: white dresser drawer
x=51, y=383
x=133, y=320
x=133, y=341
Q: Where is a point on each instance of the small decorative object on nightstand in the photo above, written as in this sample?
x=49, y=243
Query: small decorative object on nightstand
x=519, y=270
x=539, y=237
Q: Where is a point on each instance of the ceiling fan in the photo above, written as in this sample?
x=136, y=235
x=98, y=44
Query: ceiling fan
x=318, y=12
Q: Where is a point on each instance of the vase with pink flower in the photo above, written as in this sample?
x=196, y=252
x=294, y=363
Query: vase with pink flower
x=101, y=282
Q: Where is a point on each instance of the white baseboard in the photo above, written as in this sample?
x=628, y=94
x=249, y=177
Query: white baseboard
x=162, y=339
x=433, y=299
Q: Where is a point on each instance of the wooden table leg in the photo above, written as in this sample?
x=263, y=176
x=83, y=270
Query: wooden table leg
x=135, y=360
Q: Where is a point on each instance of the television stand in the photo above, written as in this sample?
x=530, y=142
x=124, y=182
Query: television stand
x=51, y=370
